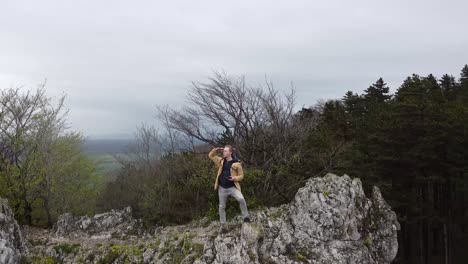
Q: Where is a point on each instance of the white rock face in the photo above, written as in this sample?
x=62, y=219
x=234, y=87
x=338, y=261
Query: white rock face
x=11, y=241
x=329, y=221
x=116, y=223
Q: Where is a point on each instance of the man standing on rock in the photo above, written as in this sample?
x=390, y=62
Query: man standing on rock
x=230, y=173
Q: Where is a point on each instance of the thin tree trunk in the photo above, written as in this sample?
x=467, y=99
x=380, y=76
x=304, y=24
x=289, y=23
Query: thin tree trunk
x=47, y=210
x=446, y=244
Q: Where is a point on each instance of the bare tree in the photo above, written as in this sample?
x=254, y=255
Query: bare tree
x=259, y=121
x=146, y=149
x=172, y=139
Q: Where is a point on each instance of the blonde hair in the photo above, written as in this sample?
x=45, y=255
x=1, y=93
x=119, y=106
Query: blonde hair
x=232, y=150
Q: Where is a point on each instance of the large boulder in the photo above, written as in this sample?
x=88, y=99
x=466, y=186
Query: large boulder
x=12, y=245
x=113, y=224
x=330, y=220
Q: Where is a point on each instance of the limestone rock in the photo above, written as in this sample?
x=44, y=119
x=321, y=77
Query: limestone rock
x=116, y=223
x=12, y=245
x=330, y=220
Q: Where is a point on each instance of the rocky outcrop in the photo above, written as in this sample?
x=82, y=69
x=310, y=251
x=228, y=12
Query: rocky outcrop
x=330, y=220
x=12, y=245
x=113, y=224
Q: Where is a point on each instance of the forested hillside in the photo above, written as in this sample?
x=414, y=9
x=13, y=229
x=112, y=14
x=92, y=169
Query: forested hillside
x=412, y=144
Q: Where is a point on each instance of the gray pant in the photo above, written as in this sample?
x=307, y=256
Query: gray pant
x=223, y=194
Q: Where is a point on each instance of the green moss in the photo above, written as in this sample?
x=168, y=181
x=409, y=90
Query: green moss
x=66, y=248
x=156, y=243
x=90, y=258
x=110, y=257
x=165, y=249
x=251, y=255
x=367, y=242
x=135, y=250
x=39, y=260
x=184, y=247
x=81, y=260
x=300, y=257
x=275, y=215
x=325, y=192
x=35, y=242
x=198, y=250
x=123, y=251
x=25, y=260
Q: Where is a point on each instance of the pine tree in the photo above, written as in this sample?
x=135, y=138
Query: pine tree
x=449, y=86
x=464, y=74
x=352, y=102
x=462, y=95
x=434, y=91
x=377, y=92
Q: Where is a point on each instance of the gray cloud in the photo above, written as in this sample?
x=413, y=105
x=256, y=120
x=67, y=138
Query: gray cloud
x=116, y=60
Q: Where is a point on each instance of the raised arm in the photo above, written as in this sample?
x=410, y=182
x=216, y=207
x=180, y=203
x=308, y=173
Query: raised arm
x=214, y=157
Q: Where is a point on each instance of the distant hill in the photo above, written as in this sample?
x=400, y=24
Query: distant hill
x=105, y=146
x=101, y=151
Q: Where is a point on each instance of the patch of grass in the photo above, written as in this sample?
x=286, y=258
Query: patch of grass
x=105, y=163
x=166, y=248
x=110, y=257
x=25, y=260
x=156, y=243
x=367, y=242
x=300, y=257
x=90, y=258
x=35, y=242
x=251, y=255
x=81, y=260
x=275, y=215
x=122, y=251
x=198, y=248
x=39, y=260
x=66, y=248
x=184, y=247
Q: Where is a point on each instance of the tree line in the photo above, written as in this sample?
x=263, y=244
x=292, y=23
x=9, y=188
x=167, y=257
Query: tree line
x=413, y=144
x=43, y=172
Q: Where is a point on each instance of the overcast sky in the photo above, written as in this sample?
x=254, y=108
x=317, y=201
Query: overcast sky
x=116, y=60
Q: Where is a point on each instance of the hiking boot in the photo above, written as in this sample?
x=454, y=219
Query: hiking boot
x=247, y=220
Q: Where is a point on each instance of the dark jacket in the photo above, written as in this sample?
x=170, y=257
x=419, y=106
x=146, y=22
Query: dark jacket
x=225, y=173
x=237, y=172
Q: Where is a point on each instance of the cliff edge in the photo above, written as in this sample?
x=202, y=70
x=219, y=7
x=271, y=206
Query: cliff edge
x=330, y=220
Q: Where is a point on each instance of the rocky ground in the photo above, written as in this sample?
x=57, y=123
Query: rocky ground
x=329, y=221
